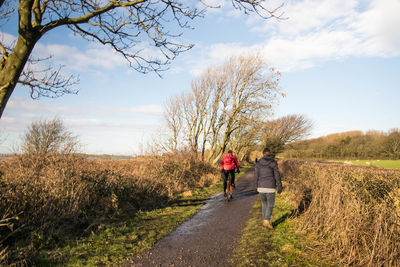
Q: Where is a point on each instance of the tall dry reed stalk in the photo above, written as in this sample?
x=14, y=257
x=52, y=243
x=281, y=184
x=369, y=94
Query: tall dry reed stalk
x=51, y=199
x=355, y=210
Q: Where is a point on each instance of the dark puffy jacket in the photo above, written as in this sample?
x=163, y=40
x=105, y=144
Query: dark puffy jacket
x=267, y=174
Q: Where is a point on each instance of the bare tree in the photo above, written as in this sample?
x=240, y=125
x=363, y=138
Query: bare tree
x=392, y=144
x=246, y=139
x=227, y=99
x=49, y=137
x=252, y=89
x=125, y=26
x=196, y=115
x=276, y=134
x=174, y=123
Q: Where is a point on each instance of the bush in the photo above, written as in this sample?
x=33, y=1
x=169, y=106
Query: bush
x=355, y=210
x=66, y=196
x=49, y=137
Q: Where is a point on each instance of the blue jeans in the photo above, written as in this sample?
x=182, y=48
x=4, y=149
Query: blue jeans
x=267, y=204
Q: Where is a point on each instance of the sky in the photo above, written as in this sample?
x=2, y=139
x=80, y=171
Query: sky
x=340, y=65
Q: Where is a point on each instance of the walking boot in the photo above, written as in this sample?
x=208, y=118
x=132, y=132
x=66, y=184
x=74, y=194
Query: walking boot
x=268, y=224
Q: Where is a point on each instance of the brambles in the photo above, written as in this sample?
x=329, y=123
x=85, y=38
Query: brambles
x=69, y=196
x=353, y=209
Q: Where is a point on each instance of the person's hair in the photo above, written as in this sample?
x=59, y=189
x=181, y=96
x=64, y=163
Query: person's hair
x=230, y=151
x=267, y=152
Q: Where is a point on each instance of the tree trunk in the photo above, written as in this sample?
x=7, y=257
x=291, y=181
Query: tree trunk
x=12, y=69
x=13, y=64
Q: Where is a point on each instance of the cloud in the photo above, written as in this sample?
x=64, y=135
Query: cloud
x=19, y=105
x=307, y=15
x=88, y=125
x=306, y=51
x=30, y=106
x=317, y=31
x=89, y=57
x=73, y=57
x=380, y=25
x=368, y=33
x=215, y=54
x=141, y=110
x=96, y=135
x=93, y=125
x=80, y=59
x=7, y=39
x=156, y=110
x=20, y=113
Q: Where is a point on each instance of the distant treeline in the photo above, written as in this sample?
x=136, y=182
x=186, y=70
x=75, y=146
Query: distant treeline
x=354, y=144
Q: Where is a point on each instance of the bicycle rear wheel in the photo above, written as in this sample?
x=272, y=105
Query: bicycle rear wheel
x=229, y=189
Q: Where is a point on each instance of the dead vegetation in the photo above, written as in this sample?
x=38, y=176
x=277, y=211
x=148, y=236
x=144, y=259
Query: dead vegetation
x=354, y=210
x=56, y=198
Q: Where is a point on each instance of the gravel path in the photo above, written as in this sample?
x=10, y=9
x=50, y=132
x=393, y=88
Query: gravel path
x=208, y=238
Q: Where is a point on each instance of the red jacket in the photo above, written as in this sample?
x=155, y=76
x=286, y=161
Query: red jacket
x=229, y=162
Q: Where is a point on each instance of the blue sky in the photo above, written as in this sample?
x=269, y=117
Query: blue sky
x=340, y=64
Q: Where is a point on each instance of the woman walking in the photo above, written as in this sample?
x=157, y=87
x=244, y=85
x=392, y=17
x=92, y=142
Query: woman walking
x=267, y=178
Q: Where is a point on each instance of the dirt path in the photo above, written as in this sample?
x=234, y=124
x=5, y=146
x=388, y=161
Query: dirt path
x=208, y=238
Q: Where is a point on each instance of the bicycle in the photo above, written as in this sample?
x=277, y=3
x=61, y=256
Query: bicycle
x=229, y=189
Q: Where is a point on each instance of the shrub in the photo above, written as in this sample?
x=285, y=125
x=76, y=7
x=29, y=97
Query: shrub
x=354, y=209
x=48, y=137
x=66, y=196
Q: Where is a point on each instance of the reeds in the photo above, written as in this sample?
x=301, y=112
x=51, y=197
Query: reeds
x=354, y=210
x=52, y=199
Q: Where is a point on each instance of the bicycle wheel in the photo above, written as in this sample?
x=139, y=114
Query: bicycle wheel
x=229, y=189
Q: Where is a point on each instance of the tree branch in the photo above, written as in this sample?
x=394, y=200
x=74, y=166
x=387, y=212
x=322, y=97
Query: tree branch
x=48, y=83
x=83, y=19
x=37, y=14
x=25, y=17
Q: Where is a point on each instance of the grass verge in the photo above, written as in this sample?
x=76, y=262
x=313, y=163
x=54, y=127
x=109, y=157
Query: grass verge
x=129, y=235
x=383, y=163
x=282, y=246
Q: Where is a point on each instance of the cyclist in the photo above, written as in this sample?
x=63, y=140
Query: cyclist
x=229, y=164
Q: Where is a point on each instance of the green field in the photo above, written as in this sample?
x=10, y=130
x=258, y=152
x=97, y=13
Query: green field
x=387, y=164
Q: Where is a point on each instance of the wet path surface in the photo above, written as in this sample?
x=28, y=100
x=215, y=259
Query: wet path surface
x=208, y=238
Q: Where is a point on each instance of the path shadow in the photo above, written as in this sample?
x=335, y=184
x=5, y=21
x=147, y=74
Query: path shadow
x=244, y=194
x=189, y=202
x=283, y=218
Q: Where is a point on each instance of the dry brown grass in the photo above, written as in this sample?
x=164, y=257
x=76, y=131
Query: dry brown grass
x=52, y=199
x=355, y=210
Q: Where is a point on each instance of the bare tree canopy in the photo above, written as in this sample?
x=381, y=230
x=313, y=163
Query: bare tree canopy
x=224, y=107
x=49, y=137
x=126, y=26
x=282, y=131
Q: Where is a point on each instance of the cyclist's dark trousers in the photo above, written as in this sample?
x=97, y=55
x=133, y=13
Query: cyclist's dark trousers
x=225, y=176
